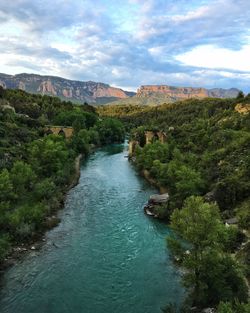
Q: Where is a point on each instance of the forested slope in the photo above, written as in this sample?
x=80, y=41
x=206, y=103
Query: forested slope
x=35, y=168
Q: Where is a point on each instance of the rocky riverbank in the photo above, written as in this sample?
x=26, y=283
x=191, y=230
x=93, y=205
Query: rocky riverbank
x=152, y=181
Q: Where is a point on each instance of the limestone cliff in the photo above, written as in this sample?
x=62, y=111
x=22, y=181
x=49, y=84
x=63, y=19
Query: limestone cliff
x=77, y=91
x=173, y=92
x=182, y=93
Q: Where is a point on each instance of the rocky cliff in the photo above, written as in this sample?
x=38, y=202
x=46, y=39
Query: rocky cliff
x=182, y=93
x=72, y=90
x=100, y=93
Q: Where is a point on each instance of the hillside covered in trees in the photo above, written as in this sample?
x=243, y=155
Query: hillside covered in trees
x=36, y=169
x=207, y=142
x=204, y=164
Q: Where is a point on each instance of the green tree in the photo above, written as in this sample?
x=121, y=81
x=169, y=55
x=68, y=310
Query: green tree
x=2, y=92
x=237, y=307
x=6, y=186
x=225, y=307
x=184, y=180
x=240, y=95
x=199, y=248
x=243, y=214
x=44, y=189
x=110, y=131
x=49, y=155
x=22, y=177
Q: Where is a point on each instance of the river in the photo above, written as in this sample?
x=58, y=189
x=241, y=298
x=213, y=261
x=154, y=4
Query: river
x=104, y=256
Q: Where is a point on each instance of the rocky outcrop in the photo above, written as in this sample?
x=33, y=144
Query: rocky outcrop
x=173, y=92
x=67, y=93
x=242, y=108
x=76, y=91
x=46, y=87
x=183, y=93
x=157, y=206
x=109, y=92
x=100, y=93
x=2, y=84
x=21, y=85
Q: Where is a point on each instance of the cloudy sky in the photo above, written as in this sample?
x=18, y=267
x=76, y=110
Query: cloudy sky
x=128, y=43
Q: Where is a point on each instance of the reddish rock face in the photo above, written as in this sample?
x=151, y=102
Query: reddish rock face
x=67, y=93
x=109, y=92
x=47, y=87
x=173, y=92
x=2, y=84
x=92, y=92
x=21, y=86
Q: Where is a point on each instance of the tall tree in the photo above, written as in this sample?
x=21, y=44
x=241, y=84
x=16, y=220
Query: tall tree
x=199, y=248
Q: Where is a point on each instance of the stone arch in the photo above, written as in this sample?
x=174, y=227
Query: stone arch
x=62, y=133
x=155, y=137
x=152, y=136
x=162, y=137
x=66, y=131
x=48, y=132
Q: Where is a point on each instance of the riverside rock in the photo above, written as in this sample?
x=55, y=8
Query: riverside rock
x=154, y=202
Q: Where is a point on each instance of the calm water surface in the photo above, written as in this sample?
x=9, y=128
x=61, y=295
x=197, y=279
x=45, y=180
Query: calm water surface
x=105, y=255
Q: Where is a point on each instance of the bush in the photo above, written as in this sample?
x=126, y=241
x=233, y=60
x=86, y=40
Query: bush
x=243, y=214
x=44, y=189
x=225, y=307
x=28, y=214
x=229, y=307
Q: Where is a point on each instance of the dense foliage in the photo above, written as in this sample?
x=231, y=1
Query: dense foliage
x=211, y=274
x=207, y=148
x=36, y=169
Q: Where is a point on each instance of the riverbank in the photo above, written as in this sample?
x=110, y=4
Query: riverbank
x=153, y=182
x=76, y=176
x=18, y=251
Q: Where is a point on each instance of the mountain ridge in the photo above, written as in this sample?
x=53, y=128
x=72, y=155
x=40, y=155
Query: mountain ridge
x=66, y=89
x=186, y=92
x=97, y=93
x=159, y=94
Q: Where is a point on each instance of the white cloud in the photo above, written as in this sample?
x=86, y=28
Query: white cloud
x=209, y=56
x=156, y=51
x=129, y=43
x=191, y=15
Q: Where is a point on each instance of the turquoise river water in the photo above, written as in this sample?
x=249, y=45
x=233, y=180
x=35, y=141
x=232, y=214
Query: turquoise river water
x=104, y=256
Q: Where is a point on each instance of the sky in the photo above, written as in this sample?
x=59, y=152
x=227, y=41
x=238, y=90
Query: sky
x=128, y=43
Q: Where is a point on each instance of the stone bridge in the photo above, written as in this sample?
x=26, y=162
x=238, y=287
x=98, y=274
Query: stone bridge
x=150, y=137
x=65, y=131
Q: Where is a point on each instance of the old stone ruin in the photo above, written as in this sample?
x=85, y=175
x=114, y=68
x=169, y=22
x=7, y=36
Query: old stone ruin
x=65, y=131
x=150, y=137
